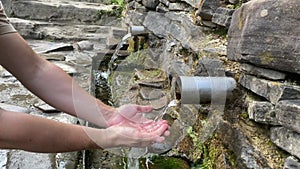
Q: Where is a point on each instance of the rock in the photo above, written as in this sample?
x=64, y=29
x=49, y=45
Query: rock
x=287, y=113
x=262, y=112
x=247, y=156
x=178, y=7
x=165, y=2
x=263, y=33
x=3, y=158
x=210, y=67
x=291, y=163
x=150, y=4
x=261, y=72
x=54, y=56
x=14, y=108
x=46, y=108
x=222, y=16
x=49, y=47
x=234, y=1
x=177, y=25
x=162, y=9
x=85, y=45
x=75, y=12
x=208, y=8
x=66, y=67
x=148, y=93
x=272, y=91
x=159, y=103
x=23, y=159
x=286, y=139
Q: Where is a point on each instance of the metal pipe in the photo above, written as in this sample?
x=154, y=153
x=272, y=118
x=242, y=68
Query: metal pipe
x=137, y=30
x=196, y=90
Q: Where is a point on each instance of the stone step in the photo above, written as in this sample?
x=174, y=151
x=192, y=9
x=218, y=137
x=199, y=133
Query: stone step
x=63, y=11
x=31, y=29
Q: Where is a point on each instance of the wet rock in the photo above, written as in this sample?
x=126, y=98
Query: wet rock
x=287, y=113
x=148, y=93
x=160, y=103
x=222, y=16
x=14, y=108
x=291, y=163
x=286, y=139
x=262, y=112
x=208, y=8
x=247, y=156
x=272, y=91
x=263, y=33
x=261, y=72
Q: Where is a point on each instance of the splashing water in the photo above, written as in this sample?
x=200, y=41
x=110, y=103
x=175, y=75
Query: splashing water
x=172, y=103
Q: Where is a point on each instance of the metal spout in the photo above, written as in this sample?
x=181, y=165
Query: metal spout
x=196, y=90
x=137, y=30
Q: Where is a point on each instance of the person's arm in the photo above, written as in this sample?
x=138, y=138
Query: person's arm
x=49, y=82
x=36, y=134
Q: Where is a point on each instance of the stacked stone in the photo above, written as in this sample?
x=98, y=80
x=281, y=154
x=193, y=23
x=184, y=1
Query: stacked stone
x=264, y=36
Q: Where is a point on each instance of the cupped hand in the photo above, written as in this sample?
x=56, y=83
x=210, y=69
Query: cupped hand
x=129, y=113
x=135, y=135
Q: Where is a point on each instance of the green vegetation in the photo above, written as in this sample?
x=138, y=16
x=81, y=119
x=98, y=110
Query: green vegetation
x=160, y=162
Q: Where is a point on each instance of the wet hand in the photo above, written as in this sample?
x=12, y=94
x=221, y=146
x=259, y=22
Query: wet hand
x=129, y=113
x=136, y=135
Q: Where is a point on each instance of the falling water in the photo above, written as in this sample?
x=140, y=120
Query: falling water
x=111, y=64
x=172, y=103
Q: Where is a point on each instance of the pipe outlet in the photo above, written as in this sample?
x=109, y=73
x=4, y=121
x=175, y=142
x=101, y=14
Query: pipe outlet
x=137, y=30
x=196, y=90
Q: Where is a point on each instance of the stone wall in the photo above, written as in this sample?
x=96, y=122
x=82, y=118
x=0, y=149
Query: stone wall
x=264, y=36
x=263, y=43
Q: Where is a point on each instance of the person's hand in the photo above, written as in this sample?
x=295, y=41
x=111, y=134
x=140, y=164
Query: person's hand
x=129, y=113
x=135, y=135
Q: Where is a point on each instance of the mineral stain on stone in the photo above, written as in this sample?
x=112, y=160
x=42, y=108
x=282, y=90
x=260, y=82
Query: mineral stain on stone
x=266, y=57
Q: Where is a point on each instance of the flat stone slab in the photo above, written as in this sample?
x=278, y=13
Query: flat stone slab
x=262, y=72
x=70, y=11
x=272, y=91
x=286, y=139
x=262, y=112
x=288, y=114
x=14, y=108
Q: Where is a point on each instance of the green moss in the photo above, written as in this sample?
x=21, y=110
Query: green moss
x=244, y=115
x=160, y=162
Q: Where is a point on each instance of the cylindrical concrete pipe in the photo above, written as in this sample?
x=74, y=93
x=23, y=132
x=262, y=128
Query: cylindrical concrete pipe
x=196, y=90
x=137, y=30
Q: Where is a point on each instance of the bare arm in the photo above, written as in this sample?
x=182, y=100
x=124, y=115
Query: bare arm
x=32, y=133
x=49, y=82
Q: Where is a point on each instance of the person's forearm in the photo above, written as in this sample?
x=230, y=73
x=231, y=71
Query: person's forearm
x=58, y=89
x=48, y=81
x=31, y=133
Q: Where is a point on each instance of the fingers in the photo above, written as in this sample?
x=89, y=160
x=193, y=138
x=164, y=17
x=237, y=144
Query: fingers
x=144, y=109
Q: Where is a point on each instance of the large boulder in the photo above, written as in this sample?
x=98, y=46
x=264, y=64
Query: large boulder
x=266, y=33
